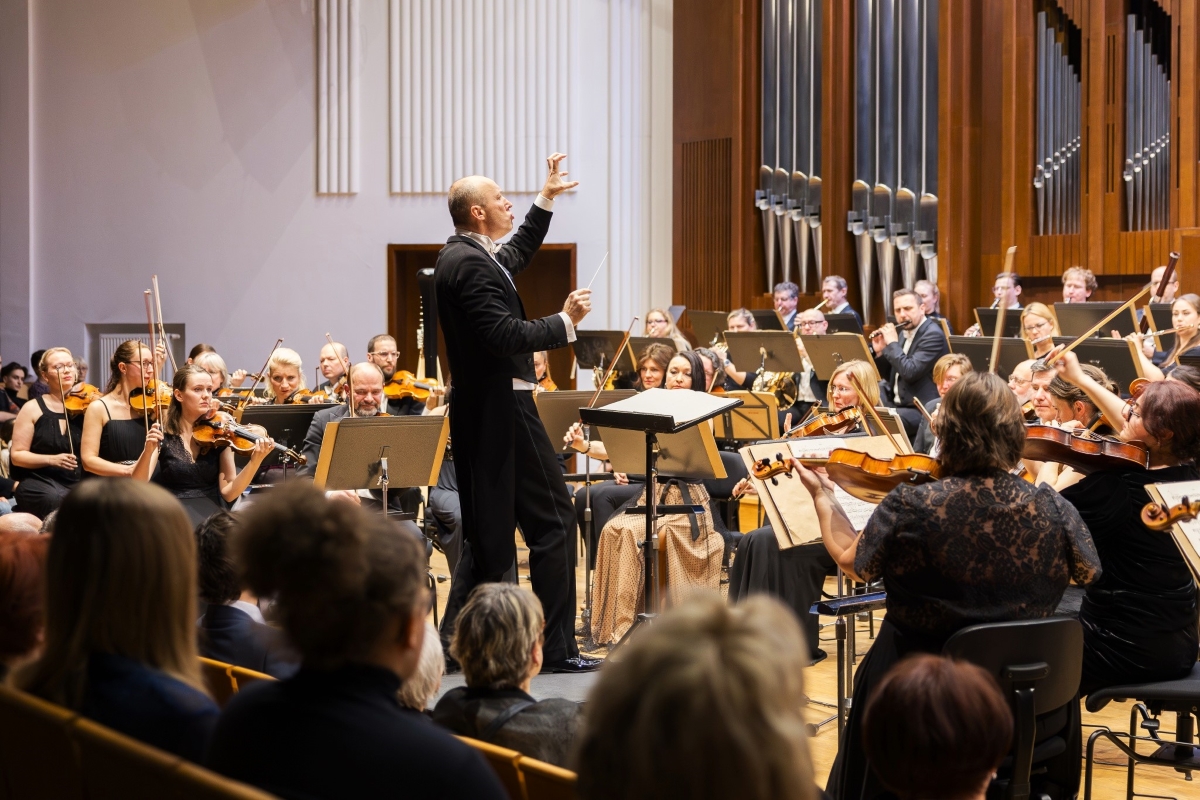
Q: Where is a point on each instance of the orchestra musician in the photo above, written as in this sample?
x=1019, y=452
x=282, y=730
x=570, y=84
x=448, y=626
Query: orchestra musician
x=652, y=366
x=809, y=388
x=114, y=435
x=1073, y=408
x=785, y=296
x=1040, y=376
x=212, y=363
x=907, y=364
x=1169, y=291
x=46, y=439
x=931, y=301
x=659, y=325
x=833, y=291
x=1078, y=284
x=382, y=352
x=1007, y=291
x=285, y=376
x=738, y=320
x=946, y=372
x=541, y=371
x=1021, y=381
x=332, y=362
x=1185, y=319
x=1038, y=327
x=202, y=475
x=507, y=469
x=709, y=359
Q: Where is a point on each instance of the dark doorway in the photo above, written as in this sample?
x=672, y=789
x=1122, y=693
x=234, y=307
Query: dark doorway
x=544, y=285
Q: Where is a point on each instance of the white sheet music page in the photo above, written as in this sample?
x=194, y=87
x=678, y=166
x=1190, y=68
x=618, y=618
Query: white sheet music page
x=859, y=511
x=1172, y=495
x=681, y=405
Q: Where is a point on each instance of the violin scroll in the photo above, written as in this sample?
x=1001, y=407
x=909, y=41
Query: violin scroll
x=1158, y=518
x=766, y=469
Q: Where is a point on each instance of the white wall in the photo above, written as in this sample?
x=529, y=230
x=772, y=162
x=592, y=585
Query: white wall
x=178, y=138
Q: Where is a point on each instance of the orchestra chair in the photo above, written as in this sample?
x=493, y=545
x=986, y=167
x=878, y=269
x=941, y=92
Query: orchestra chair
x=243, y=677
x=721, y=489
x=1038, y=663
x=38, y=756
x=218, y=680
x=1152, y=699
x=505, y=763
x=547, y=782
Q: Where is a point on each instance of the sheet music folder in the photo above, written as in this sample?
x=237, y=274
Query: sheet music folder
x=353, y=447
x=649, y=412
x=1186, y=534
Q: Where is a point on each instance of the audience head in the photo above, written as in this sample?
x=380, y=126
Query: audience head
x=1021, y=381
x=652, y=366
x=686, y=371
x=199, y=349
x=422, y=685
x=13, y=376
x=786, y=295
x=218, y=575
x=842, y=392
x=285, y=373
x=706, y=703
x=1038, y=322
x=929, y=294
x=1170, y=290
x=131, y=358
x=120, y=579
x=382, y=352
x=937, y=729
x=980, y=426
x=49, y=522
x=22, y=573
x=20, y=522
x=214, y=365
x=498, y=637
x=348, y=586
x=833, y=291
x=35, y=361
x=948, y=369
x=906, y=305
x=1007, y=289
x=1167, y=418
x=1078, y=284
x=740, y=319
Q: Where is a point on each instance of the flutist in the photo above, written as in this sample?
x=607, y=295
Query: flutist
x=905, y=360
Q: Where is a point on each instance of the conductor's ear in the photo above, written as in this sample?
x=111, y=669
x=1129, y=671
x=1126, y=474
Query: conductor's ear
x=478, y=213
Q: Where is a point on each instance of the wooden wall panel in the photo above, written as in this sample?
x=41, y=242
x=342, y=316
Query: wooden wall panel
x=705, y=255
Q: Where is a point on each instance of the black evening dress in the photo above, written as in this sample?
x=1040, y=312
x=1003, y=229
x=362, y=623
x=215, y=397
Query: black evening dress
x=42, y=490
x=197, y=483
x=121, y=440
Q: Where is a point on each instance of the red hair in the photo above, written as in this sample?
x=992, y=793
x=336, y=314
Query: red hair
x=1173, y=407
x=22, y=575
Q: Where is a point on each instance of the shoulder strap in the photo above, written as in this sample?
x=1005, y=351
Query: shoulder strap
x=503, y=719
x=106, y=411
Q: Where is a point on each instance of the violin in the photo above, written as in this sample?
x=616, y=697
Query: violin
x=157, y=393
x=80, y=397
x=830, y=424
x=1159, y=518
x=221, y=428
x=405, y=384
x=547, y=384
x=1081, y=450
x=861, y=475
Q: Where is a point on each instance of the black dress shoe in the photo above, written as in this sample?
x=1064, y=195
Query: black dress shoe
x=818, y=656
x=571, y=665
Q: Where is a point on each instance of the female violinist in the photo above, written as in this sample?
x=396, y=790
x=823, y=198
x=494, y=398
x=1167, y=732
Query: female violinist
x=652, y=366
x=204, y=477
x=46, y=439
x=114, y=435
x=1185, y=320
x=979, y=545
x=660, y=326
x=285, y=376
x=947, y=371
x=842, y=393
x=1072, y=406
x=1039, y=326
x=541, y=369
x=1140, y=619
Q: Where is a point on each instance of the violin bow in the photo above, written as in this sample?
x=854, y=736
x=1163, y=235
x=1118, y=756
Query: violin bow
x=62, y=395
x=872, y=413
x=246, y=397
x=1146, y=325
x=1099, y=325
x=1002, y=310
x=349, y=380
x=162, y=331
x=154, y=358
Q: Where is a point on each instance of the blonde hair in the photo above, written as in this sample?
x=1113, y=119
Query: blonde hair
x=495, y=635
x=951, y=360
x=681, y=343
x=42, y=362
x=120, y=579
x=210, y=358
x=866, y=378
x=416, y=691
x=284, y=357
x=716, y=693
x=1039, y=310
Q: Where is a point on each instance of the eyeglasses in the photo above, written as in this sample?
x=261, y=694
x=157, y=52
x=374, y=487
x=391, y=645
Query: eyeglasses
x=386, y=354
x=1019, y=380
x=809, y=323
x=148, y=365
x=1130, y=410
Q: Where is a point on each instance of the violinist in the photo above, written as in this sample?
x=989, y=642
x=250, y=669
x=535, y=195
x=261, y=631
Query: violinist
x=652, y=366
x=1038, y=327
x=1073, y=408
x=907, y=364
x=46, y=439
x=1185, y=320
x=332, y=361
x=201, y=475
x=382, y=352
x=541, y=369
x=1140, y=619
x=841, y=393
x=1040, y=375
x=946, y=372
x=285, y=377
x=212, y=363
x=1021, y=381
x=114, y=434
x=660, y=326
x=977, y=546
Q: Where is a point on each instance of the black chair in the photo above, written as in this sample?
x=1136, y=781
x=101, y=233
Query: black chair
x=1038, y=664
x=721, y=489
x=1180, y=696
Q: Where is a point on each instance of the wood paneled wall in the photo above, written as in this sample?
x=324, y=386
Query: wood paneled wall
x=985, y=149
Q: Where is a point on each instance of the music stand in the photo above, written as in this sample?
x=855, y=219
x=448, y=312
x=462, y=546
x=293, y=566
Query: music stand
x=986, y=317
x=654, y=413
x=1076, y=319
x=1189, y=361
x=1117, y=357
x=767, y=319
x=355, y=453
x=708, y=325
x=757, y=419
x=595, y=350
x=843, y=323
x=638, y=345
x=676, y=313
x=979, y=350
x=287, y=424
x=769, y=351
x=560, y=410
x=828, y=351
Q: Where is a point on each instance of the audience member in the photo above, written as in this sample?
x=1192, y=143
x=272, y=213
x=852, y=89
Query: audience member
x=120, y=641
x=706, y=704
x=416, y=692
x=498, y=642
x=349, y=590
x=48, y=522
x=13, y=376
x=936, y=729
x=20, y=522
x=232, y=629
x=22, y=572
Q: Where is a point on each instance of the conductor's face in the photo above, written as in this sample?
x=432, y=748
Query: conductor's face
x=495, y=213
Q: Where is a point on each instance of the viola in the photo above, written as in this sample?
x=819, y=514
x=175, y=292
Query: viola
x=1159, y=518
x=871, y=479
x=767, y=469
x=221, y=428
x=405, y=384
x=830, y=424
x=80, y=397
x=1082, y=450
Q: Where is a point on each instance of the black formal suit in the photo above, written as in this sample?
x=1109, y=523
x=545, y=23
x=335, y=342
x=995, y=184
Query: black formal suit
x=229, y=634
x=915, y=370
x=848, y=310
x=505, y=464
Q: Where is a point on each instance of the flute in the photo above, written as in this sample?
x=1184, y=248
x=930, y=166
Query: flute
x=1181, y=328
x=900, y=326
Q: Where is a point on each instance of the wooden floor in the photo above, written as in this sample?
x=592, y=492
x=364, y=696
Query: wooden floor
x=821, y=681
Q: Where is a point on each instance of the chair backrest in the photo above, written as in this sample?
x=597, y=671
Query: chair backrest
x=1000, y=647
x=545, y=781
x=243, y=677
x=38, y=756
x=218, y=680
x=197, y=783
x=116, y=767
x=505, y=763
x=735, y=470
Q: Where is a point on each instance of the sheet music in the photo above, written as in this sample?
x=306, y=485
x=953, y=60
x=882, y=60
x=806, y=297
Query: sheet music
x=859, y=511
x=682, y=406
x=1173, y=494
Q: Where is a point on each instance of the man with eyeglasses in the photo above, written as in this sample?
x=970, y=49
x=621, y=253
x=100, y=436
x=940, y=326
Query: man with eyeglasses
x=810, y=390
x=1021, y=381
x=382, y=352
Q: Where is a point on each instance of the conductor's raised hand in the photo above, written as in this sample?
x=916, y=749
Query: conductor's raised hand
x=579, y=303
x=555, y=185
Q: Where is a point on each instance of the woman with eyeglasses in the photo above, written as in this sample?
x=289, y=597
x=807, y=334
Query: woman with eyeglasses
x=45, y=439
x=660, y=326
x=114, y=434
x=1038, y=327
x=1140, y=619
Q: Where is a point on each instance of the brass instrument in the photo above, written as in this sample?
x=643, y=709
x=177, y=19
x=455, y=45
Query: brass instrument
x=780, y=384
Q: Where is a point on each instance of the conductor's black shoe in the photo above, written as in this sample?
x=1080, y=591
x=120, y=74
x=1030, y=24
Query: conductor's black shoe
x=570, y=665
x=818, y=656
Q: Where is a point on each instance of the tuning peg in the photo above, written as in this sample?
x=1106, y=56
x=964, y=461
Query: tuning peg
x=774, y=482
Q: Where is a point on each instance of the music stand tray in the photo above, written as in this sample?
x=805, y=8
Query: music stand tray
x=843, y=323
x=757, y=419
x=287, y=424
x=986, y=317
x=828, y=351
x=774, y=351
x=1117, y=357
x=1076, y=319
x=560, y=410
x=638, y=345
x=596, y=349
x=979, y=350
x=708, y=325
x=767, y=319
x=382, y=453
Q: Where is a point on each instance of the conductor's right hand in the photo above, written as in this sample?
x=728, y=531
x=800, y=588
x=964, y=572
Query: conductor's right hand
x=579, y=303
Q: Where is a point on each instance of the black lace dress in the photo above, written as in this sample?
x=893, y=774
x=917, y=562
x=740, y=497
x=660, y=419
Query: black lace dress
x=197, y=483
x=42, y=490
x=961, y=551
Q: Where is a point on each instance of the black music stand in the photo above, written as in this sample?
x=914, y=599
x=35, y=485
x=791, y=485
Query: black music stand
x=1117, y=357
x=986, y=317
x=655, y=412
x=843, y=323
x=756, y=420
x=767, y=319
x=382, y=453
x=708, y=326
x=287, y=424
x=770, y=351
x=979, y=350
x=1189, y=361
x=595, y=350
x=1076, y=319
x=638, y=345
x=828, y=351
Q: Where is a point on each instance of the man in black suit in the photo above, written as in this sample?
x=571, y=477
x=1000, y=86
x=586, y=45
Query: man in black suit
x=833, y=291
x=506, y=466
x=907, y=364
x=383, y=353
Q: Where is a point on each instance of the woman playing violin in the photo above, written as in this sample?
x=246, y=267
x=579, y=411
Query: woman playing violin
x=541, y=369
x=46, y=439
x=979, y=545
x=652, y=366
x=1185, y=319
x=1072, y=406
x=285, y=376
x=203, y=476
x=1140, y=619
x=1038, y=327
x=114, y=434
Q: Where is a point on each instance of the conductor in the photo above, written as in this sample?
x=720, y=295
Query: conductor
x=507, y=471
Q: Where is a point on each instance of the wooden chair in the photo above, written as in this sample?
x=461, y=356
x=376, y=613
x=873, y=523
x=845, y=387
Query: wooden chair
x=38, y=756
x=545, y=781
x=221, y=684
x=197, y=783
x=116, y=767
x=243, y=677
x=505, y=763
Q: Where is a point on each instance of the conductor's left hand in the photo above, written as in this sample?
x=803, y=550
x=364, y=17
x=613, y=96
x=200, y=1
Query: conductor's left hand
x=555, y=185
